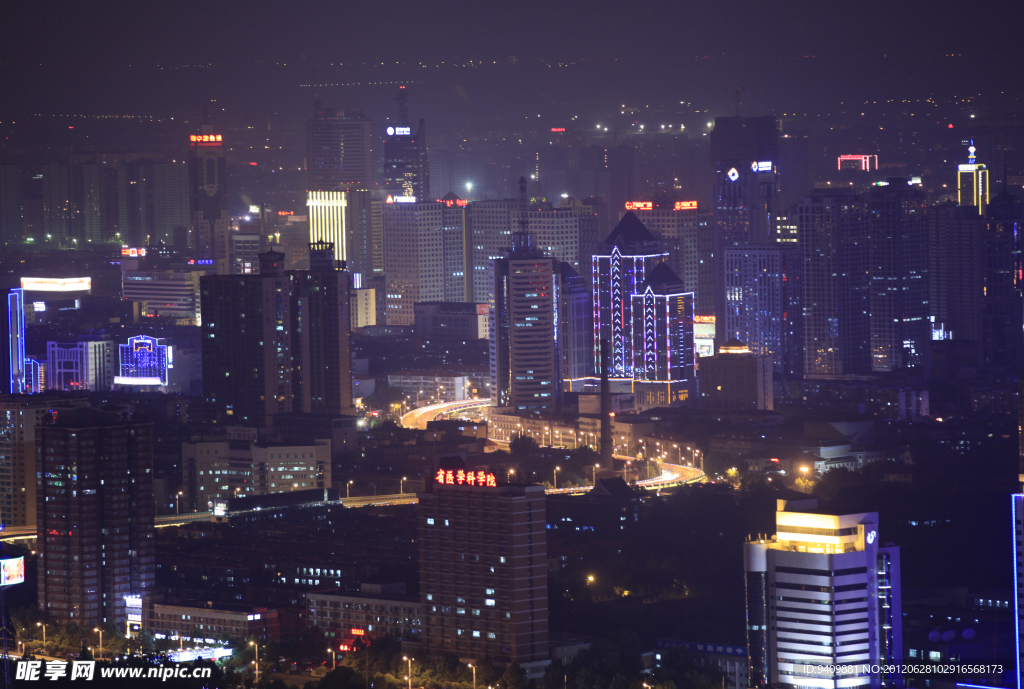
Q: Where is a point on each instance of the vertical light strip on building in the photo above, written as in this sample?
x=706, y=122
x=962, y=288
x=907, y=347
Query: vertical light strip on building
x=16, y=339
x=327, y=220
x=1017, y=501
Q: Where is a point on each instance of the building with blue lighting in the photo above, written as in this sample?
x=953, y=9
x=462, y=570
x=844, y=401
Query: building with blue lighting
x=662, y=333
x=144, y=361
x=25, y=375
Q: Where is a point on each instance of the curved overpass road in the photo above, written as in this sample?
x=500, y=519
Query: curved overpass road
x=418, y=418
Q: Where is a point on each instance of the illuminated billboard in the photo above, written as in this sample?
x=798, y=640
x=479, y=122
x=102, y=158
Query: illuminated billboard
x=761, y=166
x=649, y=205
x=400, y=199
x=12, y=571
x=865, y=163
x=144, y=361
x=461, y=477
x=133, y=251
x=399, y=131
x=205, y=139
x=56, y=284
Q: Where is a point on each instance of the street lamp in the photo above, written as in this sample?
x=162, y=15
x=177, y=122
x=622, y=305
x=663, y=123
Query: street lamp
x=43, y=625
x=334, y=655
x=257, y=661
x=596, y=467
x=401, y=486
x=177, y=503
x=409, y=660
x=473, y=668
x=348, y=491
x=511, y=473
x=555, y=474
x=97, y=629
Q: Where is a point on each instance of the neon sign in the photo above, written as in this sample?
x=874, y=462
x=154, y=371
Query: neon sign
x=703, y=319
x=761, y=166
x=684, y=205
x=558, y=129
x=56, y=284
x=399, y=131
x=461, y=203
x=461, y=476
x=358, y=632
x=286, y=212
x=639, y=205
x=133, y=251
x=400, y=199
x=205, y=138
x=733, y=175
x=853, y=162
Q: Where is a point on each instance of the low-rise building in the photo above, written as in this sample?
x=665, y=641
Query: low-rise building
x=433, y=386
x=343, y=616
x=211, y=623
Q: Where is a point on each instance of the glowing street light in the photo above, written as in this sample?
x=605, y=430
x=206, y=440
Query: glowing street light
x=257, y=661
x=555, y=474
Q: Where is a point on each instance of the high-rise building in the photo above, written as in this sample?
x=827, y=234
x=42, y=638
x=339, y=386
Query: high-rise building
x=327, y=218
x=413, y=257
x=11, y=228
x=278, y=342
x=618, y=271
x=95, y=515
x=247, y=343
x=524, y=329
x=81, y=366
x=168, y=293
x=19, y=418
x=483, y=577
x=576, y=314
x=972, y=182
x=834, y=246
x=745, y=139
x=346, y=219
x=677, y=226
x=662, y=334
x=1002, y=310
x=152, y=201
x=56, y=202
x=956, y=269
x=340, y=153
x=762, y=303
x=822, y=592
x=406, y=166
x=450, y=322
x=735, y=379
x=207, y=163
x=1017, y=527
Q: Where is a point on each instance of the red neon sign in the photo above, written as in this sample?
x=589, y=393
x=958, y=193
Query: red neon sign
x=286, y=212
x=558, y=129
x=703, y=319
x=344, y=647
x=639, y=205
x=205, y=138
x=132, y=251
x=358, y=632
x=461, y=203
x=462, y=477
x=684, y=205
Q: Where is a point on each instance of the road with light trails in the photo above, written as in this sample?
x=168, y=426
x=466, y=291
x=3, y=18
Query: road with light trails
x=673, y=475
x=418, y=418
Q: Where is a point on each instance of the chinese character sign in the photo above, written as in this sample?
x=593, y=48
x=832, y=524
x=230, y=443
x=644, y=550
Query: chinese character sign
x=462, y=477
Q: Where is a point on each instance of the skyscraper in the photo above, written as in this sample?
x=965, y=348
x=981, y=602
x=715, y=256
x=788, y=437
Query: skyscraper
x=95, y=515
x=972, y=182
x=483, y=577
x=406, y=166
x=618, y=271
x=677, y=225
x=822, y=592
x=1002, y=314
x=11, y=229
x=340, y=152
x=208, y=177
x=576, y=312
x=414, y=257
x=524, y=329
x=662, y=333
x=956, y=269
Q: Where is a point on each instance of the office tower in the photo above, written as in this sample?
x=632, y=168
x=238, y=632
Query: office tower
x=618, y=271
x=450, y=322
x=972, y=182
x=406, y=166
x=243, y=255
x=595, y=225
x=11, y=229
x=95, y=514
x=743, y=213
x=762, y=303
x=19, y=419
x=321, y=327
x=413, y=257
x=345, y=219
x=144, y=361
x=735, y=379
x=152, y=201
x=956, y=269
x=326, y=211
x=247, y=343
x=677, y=225
x=86, y=201
x=56, y=202
x=833, y=243
x=362, y=221
x=662, y=333
x=168, y=293
x=80, y=366
x=207, y=164
x=524, y=329
x=489, y=229
x=453, y=224
x=340, y=152
x=483, y=578
x=796, y=176
x=576, y=314
x=17, y=381
x=1017, y=526
x=1002, y=311
x=897, y=236
x=822, y=592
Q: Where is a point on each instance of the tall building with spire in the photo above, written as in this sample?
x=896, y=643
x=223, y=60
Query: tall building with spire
x=207, y=165
x=662, y=334
x=972, y=182
x=406, y=166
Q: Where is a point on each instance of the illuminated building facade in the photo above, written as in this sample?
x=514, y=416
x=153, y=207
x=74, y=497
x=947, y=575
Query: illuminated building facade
x=956, y=269
x=144, y=361
x=618, y=271
x=25, y=375
x=326, y=211
x=823, y=592
x=1002, y=316
x=524, y=329
x=209, y=200
x=414, y=258
x=406, y=165
x=1017, y=527
x=95, y=516
x=483, y=569
x=576, y=310
x=662, y=333
x=972, y=182
x=762, y=303
x=80, y=366
x=167, y=293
